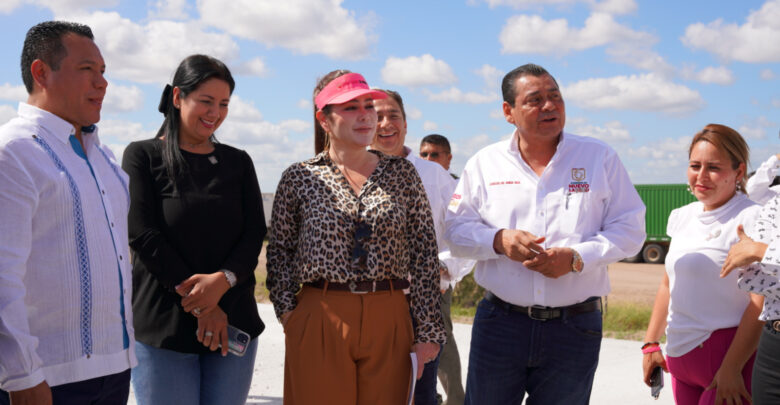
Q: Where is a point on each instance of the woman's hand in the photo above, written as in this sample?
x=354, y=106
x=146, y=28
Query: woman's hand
x=425, y=352
x=730, y=387
x=650, y=361
x=212, y=330
x=742, y=253
x=202, y=292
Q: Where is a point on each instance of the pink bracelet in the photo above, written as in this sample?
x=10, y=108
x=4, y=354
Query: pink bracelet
x=651, y=349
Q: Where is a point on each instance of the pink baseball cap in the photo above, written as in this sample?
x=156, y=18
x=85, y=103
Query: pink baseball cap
x=345, y=88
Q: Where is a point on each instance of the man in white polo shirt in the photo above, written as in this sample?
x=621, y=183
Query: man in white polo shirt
x=66, y=334
x=390, y=137
x=544, y=213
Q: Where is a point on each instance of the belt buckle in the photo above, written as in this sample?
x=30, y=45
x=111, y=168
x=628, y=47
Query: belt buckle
x=776, y=326
x=353, y=287
x=531, y=313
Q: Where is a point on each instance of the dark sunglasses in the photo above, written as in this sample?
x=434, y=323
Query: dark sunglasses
x=433, y=155
x=359, y=253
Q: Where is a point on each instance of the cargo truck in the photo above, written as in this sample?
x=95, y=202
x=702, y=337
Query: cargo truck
x=660, y=200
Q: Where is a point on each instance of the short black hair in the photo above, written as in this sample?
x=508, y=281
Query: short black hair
x=439, y=140
x=508, y=84
x=44, y=42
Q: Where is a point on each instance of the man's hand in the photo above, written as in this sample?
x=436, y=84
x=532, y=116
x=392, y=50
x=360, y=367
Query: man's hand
x=425, y=352
x=37, y=395
x=553, y=262
x=517, y=245
x=742, y=253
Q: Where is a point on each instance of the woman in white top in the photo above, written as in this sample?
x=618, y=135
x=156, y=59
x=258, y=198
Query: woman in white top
x=762, y=277
x=711, y=326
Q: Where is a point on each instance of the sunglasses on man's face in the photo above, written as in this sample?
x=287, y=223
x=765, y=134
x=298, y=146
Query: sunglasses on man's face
x=433, y=155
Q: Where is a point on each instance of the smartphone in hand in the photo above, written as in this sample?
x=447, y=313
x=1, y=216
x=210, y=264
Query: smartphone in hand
x=238, y=340
x=656, y=382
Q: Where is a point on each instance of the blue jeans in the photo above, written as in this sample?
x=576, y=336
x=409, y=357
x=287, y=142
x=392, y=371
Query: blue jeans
x=425, y=390
x=511, y=354
x=107, y=390
x=168, y=377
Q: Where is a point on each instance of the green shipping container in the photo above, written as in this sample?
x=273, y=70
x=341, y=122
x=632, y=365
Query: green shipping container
x=660, y=200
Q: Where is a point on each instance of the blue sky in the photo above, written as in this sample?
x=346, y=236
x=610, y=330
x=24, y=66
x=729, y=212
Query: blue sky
x=643, y=76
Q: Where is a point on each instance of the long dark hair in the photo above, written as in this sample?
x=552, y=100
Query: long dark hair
x=192, y=71
x=321, y=139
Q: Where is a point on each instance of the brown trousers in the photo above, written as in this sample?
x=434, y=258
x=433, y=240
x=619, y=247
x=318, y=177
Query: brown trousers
x=348, y=349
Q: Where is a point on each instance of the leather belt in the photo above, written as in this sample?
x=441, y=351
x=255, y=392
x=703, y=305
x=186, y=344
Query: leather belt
x=540, y=313
x=360, y=287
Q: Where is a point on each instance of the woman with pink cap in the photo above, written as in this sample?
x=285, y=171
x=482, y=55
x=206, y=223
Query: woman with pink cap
x=349, y=229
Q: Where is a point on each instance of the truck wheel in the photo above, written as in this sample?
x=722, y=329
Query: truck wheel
x=654, y=253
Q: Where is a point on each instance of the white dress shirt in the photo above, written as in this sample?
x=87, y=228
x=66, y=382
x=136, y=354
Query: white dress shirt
x=64, y=264
x=700, y=301
x=583, y=200
x=764, y=277
x=757, y=185
x=439, y=186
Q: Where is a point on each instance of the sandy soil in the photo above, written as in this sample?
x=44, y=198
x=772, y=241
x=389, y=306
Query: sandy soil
x=637, y=282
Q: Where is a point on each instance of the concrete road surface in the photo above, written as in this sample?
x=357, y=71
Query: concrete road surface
x=618, y=378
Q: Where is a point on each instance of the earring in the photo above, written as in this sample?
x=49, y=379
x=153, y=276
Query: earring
x=688, y=187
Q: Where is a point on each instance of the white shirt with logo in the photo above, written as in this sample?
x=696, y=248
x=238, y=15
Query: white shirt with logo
x=584, y=200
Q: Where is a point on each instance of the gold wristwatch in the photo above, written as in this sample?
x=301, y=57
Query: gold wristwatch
x=576, y=262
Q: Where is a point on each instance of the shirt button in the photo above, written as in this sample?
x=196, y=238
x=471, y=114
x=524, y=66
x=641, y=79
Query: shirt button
x=120, y=257
x=103, y=191
x=541, y=213
x=112, y=224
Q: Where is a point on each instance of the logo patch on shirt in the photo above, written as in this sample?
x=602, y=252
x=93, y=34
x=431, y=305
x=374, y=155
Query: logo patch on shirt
x=578, y=184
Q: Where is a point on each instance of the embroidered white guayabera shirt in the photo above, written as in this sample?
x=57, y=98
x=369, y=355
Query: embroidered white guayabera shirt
x=65, y=312
x=583, y=200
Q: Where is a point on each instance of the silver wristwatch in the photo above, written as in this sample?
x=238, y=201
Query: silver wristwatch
x=230, y=276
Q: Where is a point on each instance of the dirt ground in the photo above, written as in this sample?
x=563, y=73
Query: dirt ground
x=635, y=282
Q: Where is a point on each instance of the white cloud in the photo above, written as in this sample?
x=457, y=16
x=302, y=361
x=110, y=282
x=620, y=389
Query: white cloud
x=7, y=6
x=416, y=71
x=757, y=129
x=170, y=10
x=150, y=53
x=413, y=113
x=253, y=67
x=305, y=104
x=124, y=132
x=430, y=126
x=663, y=159
x=497, y=114
x=12, y=93
x=491, y=75
x=122, y=98
x=710, y=75
x=6, y=113
x=243, y=110
x=755, y=41
x=767, y=74
x=303, y=26
x=611, y=132
x=605, y=6
x=534, y=34
x=646, y=92
x=73, y=6
x=455, y=95
x=776, y=102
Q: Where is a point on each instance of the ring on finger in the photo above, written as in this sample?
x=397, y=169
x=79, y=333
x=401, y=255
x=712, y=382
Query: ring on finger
x=208, y=334
x=196, y=311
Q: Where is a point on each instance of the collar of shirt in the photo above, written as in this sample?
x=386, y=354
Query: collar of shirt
x=58, y=127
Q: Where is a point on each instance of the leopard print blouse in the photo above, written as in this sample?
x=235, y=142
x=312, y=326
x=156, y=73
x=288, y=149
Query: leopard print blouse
x=764, y=277
x=318, y=223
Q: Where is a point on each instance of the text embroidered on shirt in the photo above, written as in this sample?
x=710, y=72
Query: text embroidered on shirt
x=578, y=185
